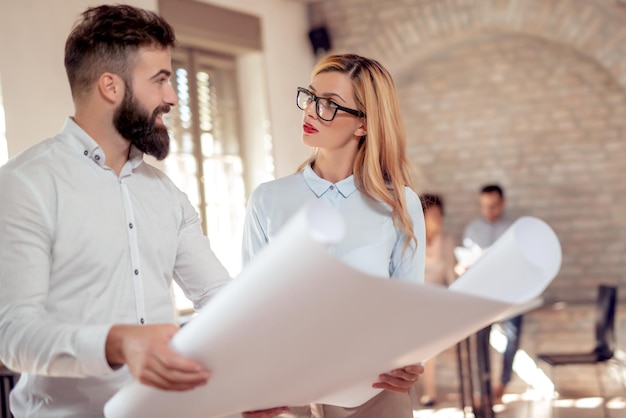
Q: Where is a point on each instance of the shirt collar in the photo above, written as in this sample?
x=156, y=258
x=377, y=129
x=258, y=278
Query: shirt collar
x=81, y=141
x=319, y=186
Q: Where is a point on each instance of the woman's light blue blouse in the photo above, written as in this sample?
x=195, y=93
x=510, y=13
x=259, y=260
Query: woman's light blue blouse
x=372, y=243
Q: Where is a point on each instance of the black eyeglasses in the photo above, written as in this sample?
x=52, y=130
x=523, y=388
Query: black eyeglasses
x=325, y=108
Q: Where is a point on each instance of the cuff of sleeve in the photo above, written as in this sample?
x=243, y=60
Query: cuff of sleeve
x=92, y=349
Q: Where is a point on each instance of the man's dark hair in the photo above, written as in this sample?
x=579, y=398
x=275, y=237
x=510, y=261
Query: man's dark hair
x=429, y=200
x=493, y=188
x=106, y=39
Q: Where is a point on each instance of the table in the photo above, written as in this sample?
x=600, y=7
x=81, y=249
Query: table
x=474, y=367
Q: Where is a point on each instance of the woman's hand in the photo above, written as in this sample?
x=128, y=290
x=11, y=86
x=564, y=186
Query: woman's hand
x=265, y=413
x=399, y=380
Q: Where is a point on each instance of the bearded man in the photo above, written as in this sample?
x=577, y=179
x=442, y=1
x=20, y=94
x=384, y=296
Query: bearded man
x=91, y=236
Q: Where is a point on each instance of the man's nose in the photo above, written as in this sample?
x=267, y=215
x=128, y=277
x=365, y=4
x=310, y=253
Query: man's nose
x=171, y=98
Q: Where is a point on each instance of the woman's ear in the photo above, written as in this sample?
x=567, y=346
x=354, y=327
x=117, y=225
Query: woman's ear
x=111, y=87
x=362, y=129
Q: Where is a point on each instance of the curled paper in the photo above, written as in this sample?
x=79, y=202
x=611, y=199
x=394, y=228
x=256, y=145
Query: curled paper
x=516, y=266
x=298, y=326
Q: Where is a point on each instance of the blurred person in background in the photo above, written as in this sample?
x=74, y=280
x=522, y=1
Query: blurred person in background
x=440, y=262
x=483, y=232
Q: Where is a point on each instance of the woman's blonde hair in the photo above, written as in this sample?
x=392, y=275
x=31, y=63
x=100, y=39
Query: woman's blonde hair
x=381, y=168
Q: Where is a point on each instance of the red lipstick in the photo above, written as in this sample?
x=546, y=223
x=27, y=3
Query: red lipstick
x=308, y=128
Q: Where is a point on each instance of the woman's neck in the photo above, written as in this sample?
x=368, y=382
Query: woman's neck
x=333, y=168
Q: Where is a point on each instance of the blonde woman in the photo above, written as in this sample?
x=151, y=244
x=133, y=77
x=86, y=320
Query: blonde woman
x=351, y=119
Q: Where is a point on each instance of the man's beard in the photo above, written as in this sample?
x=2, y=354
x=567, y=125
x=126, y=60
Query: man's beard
x=140, y=128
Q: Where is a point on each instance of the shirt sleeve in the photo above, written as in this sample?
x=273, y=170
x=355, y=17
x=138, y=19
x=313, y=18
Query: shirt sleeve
x=469, y=233
x=198, y=271
x=254, y=227
x=31, y=342
x=408, y=264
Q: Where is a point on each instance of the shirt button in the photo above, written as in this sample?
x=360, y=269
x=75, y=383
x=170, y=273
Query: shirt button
x=332, y=187
x=142, y=321
x=136, y=272
x=130, y=225
x=97, y=157
x=86, y=152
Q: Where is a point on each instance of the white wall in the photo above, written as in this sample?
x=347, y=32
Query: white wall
x=4, y=153
x=36, y=93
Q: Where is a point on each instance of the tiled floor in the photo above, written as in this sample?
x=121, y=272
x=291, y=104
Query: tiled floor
x=528, y=399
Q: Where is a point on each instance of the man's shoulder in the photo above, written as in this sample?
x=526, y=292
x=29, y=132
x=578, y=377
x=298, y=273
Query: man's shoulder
x=475, y=229
x=149, y=170
x=36, y=158
x=475, y=223
x=151, y=176
x=507, y=220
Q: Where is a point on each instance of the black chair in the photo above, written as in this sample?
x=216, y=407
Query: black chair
x=604, y=349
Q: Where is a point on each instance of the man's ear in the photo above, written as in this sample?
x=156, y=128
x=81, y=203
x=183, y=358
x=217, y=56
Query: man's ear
x=111, y=87
x=362, y=129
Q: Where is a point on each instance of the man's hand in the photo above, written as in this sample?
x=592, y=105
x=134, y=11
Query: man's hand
x=399, y=380
x=145, y=350
x=265, y=413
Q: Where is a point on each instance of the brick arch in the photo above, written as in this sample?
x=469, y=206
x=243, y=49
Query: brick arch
x=393, y=30
x=543, y=120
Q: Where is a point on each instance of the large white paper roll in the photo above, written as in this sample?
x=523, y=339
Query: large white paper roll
x=299, y=326
x=517, y=267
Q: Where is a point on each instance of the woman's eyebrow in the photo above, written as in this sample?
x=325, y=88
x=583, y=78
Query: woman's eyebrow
x=327, y=94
